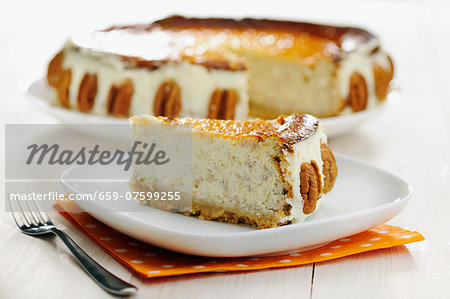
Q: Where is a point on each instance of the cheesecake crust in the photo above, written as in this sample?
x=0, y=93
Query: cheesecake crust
x=207, y=212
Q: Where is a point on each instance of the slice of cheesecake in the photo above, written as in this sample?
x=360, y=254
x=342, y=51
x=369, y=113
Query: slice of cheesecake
x=264, y=173
x=222, y=68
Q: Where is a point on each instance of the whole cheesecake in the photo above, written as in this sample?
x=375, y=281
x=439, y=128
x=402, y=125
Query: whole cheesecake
x=222, y=69
x=262, y=172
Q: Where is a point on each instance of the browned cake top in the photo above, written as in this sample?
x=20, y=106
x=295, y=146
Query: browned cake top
x=217, y=43
x=304, y=32
x=287, y=129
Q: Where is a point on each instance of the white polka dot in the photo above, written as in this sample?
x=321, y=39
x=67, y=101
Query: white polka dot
x=383, y=231
x=91, y=225
x=336, y=247
x=133, y=244
x=375, y=239
x=105, y=238
x=153, y=272
x=242, y=265
x=284, y=261
x=253, y=259
x=149, y=254
x=366, y=245
x=120, y=250
x=345, y=240
x=167, y=266
x=325, y=254
x=220, y=271
x=295, y=254
x=199, y=267
x=137, y=262
x=405, y=237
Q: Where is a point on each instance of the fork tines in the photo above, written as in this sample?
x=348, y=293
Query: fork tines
x=27, y=213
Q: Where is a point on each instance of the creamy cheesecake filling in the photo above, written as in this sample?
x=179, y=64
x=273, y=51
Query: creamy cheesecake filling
x=279, y=86
x=196, y=82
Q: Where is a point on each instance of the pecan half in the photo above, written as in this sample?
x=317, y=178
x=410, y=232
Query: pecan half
x=87, y=92
x=357, y=97
x=60, y=78
x=391, y=71
x=63, y=88
x=55, y=69
x=119, y=99
x=222, y=104
x=310, y=186
x=381, y=78
x=167, y=100
x=329, y=168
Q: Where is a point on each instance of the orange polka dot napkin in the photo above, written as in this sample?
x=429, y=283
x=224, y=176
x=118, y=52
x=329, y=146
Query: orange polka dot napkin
x=152, y=261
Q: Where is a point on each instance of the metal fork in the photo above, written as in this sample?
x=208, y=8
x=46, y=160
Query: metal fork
x=36, y=223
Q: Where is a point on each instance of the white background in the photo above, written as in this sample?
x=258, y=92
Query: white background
x=412, y=139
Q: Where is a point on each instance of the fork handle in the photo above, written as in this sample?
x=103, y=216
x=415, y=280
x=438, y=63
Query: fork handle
x=100, y=275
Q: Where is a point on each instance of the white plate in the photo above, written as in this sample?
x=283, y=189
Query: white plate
x=43, y=96
x=363, y=197
x=341, y=124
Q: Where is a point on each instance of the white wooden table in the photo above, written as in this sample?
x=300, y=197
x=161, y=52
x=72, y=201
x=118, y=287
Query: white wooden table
x=412, y=139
